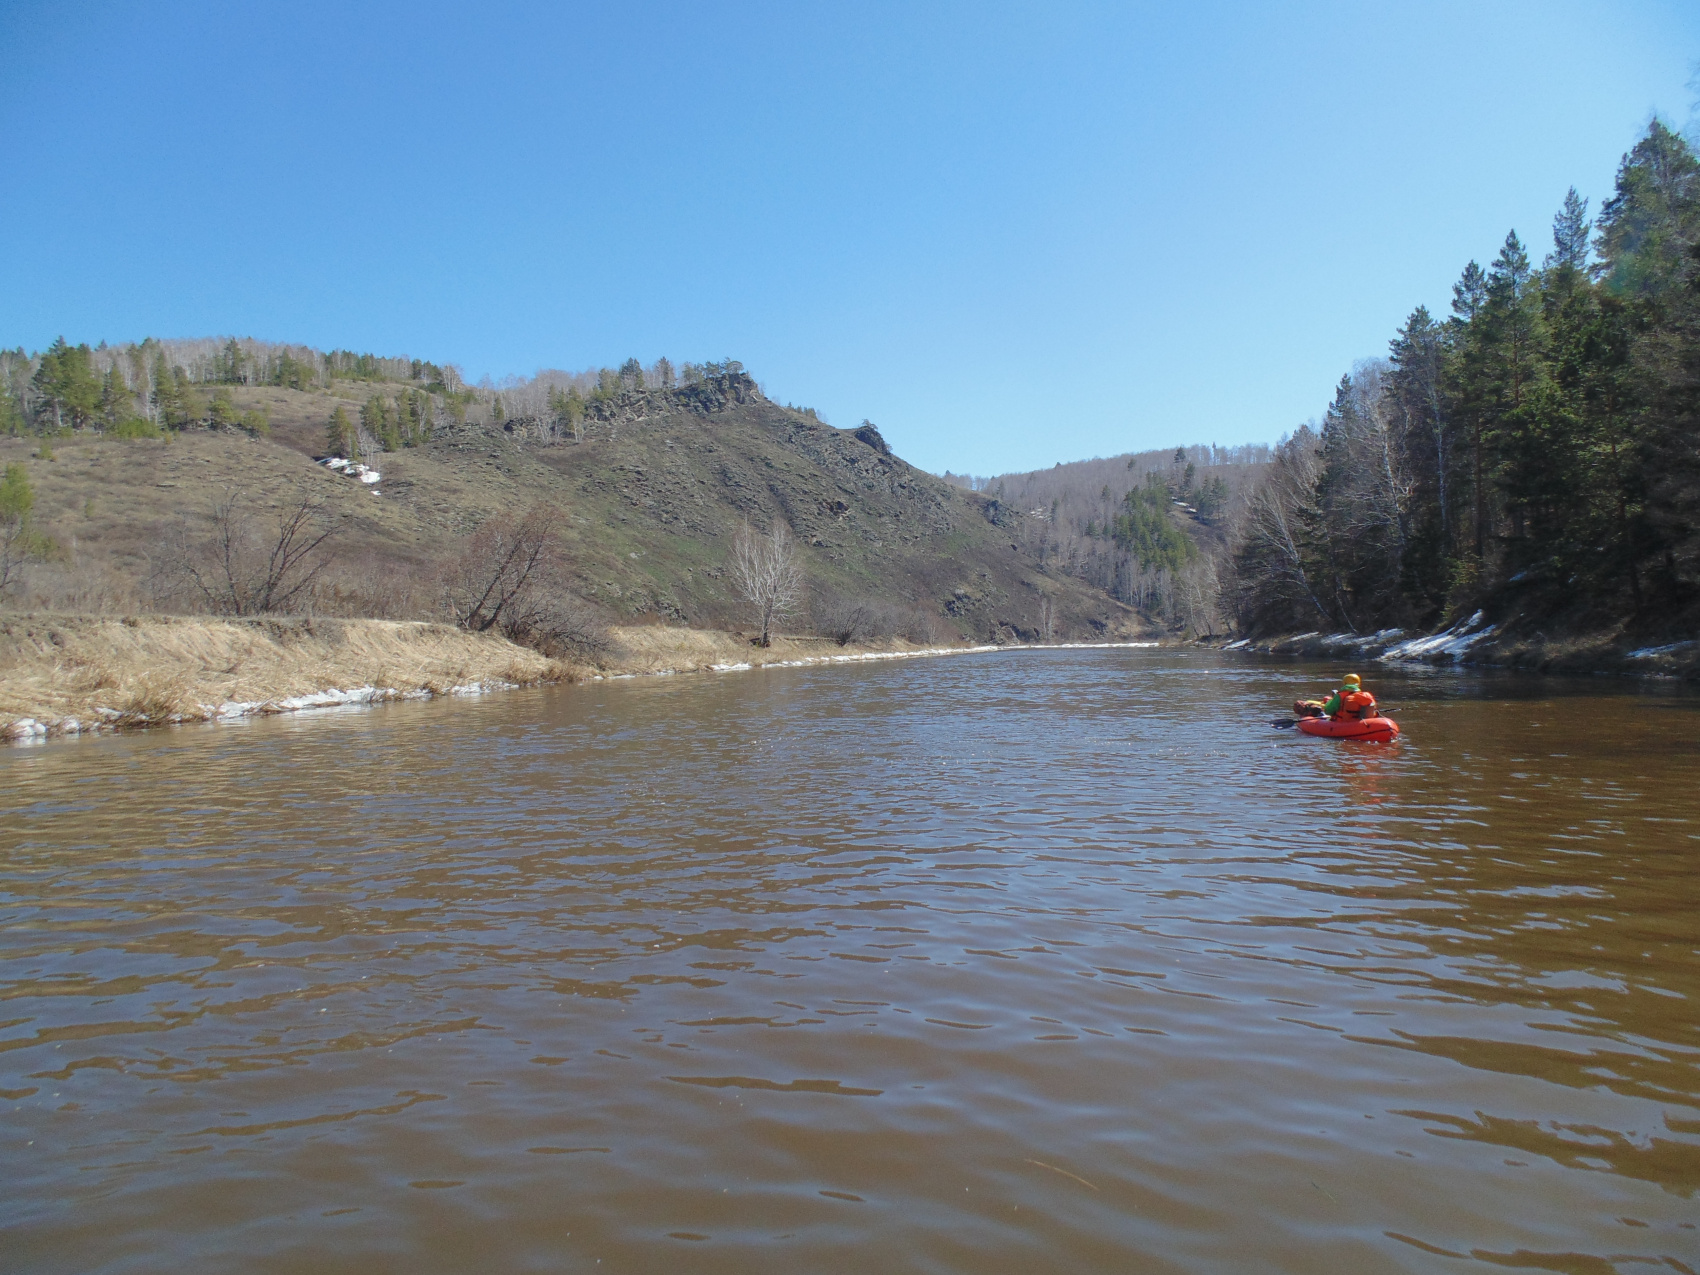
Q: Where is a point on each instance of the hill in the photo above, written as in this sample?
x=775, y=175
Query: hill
x=646, y=484
x=1153, y=529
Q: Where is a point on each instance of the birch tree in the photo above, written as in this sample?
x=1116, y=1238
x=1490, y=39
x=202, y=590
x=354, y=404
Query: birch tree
x=766, y=574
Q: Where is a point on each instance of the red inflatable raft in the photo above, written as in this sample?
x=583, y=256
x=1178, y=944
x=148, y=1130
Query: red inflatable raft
x=1375, y=729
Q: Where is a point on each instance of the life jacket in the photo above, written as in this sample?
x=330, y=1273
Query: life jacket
x=1356, y=705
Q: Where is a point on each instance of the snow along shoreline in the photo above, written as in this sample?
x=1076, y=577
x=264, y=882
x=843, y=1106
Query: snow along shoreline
x=30, y=730
x=27, y=730
x=1477, y=643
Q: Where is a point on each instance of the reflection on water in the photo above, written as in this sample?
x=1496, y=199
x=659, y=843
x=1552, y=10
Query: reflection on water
x=1036, y=961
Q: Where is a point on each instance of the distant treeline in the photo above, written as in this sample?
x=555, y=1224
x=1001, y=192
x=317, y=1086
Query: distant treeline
x=1538, y=448
x=1147, y=527
x=142, y=389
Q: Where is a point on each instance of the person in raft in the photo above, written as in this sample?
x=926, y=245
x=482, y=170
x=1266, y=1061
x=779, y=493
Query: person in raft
x=1350, y=703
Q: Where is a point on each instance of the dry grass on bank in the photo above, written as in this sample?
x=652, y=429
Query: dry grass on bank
x=143, y=670
x=68, y=673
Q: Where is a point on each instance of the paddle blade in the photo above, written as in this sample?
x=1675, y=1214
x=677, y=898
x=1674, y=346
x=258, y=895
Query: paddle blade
x=1284, y=723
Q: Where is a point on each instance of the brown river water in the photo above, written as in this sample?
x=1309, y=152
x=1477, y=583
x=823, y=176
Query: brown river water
x=1033, y=961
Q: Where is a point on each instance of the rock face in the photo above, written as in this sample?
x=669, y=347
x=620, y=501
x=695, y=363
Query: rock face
x=869, y=434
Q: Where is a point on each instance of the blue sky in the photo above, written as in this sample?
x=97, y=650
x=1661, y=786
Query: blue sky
x=1008, y=234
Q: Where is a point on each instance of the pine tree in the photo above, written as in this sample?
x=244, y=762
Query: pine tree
x=378, y=421
x=1419, y=357
x=191, y=407
x=116, y=401
x=1469, y=294
x=1586, y=480
x=414, y=408
x=68, y=385
x=1513, y=335
x=164, y=391
x=1653, y=215
x=1147, y=530
x=291, y=373
x=12, y=419
x=228, y=366
x=1570, y=235
x=223, y=409
x=341, y=437
x=16, y=498
x=1666, y=373
x=1332, y=563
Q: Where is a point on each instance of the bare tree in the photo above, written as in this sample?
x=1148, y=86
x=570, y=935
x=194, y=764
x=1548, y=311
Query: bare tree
x=499, y=569
x=849, y=619
x=766, y=574
x=1274, y=536
x=249, y=565
x=18, y=540
x=17, y=546
x=1195, y=594
x=507, y=579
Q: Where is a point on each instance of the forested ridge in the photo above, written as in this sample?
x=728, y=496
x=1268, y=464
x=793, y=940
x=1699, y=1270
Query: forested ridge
x=1534, y=453
x=142, y=389
x=1150, y=528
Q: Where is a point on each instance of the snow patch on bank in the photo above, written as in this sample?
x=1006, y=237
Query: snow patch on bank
x=30, y=731
x=1654, y=652
x=1454, y=641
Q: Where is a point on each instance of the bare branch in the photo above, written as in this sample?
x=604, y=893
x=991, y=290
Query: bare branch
x=245, y=568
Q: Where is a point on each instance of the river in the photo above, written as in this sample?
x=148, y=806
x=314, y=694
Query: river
x=1033, y=961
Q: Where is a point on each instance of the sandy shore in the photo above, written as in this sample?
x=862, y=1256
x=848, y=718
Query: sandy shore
x=68, y=675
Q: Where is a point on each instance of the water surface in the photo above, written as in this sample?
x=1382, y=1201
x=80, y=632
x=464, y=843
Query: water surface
x=1032, y=961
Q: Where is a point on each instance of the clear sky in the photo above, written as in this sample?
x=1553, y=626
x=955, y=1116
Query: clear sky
x=1008, y=234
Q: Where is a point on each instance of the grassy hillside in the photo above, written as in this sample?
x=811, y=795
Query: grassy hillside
x=647, y=500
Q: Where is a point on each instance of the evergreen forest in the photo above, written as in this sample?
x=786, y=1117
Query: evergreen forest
x=1535, y=452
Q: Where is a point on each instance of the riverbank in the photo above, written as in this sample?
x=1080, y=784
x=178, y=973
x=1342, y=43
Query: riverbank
x=69, y=675
x=1478, y=642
